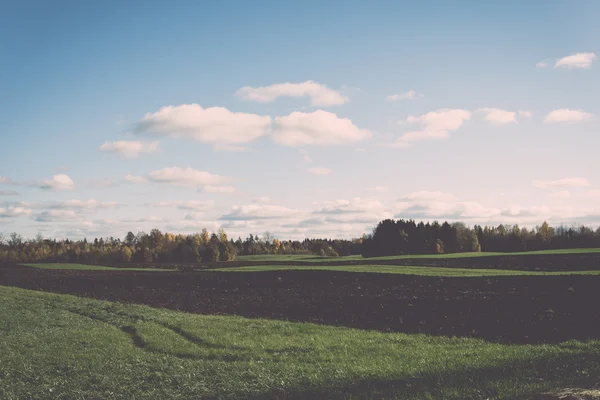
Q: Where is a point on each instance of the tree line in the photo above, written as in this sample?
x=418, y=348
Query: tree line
x=157, y=246
x=390, y=237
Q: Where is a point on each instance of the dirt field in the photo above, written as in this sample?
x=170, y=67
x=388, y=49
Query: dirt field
x=506, y=309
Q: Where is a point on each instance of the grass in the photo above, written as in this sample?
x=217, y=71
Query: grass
x=406, y=270
x=89, y=267
x=63, y=347
x=281, y=257
x=313, y=258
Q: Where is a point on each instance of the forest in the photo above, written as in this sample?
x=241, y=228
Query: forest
x=390, y=237
x=408, y=237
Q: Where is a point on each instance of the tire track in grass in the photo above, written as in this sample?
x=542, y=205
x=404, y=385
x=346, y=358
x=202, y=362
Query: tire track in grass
x=139, y=342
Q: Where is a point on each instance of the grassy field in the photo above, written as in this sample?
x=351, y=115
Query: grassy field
x=313, y=258
x=64, y=347
x=406, y=270
x=89, y=267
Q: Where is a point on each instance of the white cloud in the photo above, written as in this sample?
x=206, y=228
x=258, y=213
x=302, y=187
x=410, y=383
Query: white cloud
x=186, y=177
x=192, y=205
x=135, y=179
x=525, y=114
x=4, y=180
x=578, y=60
x=11, y=212
x=553, y=215
x=498, y=116
x=56, y=216
x=319, y=171
x=151, y=218
x=561, y=194
x=560, y=183
x=594, y=192
x=214, y=125
x=68, y=210
x=218, y=189
x=261, y=199
x=58, y=182
x=89, y=204
x=434, y=125
x=258, y=212
x=565, y=115
x=231, y=148
x=193, y=216
x=129, y=149
x=378, y=189
x=425, y=195
x=354, y=206
x=441, y=120
x=410, y=95
x=8, y=193
x=193, y=225
x=542, y=64
x=439, y=205
x=320, y=95
x=317, y=128
x=357, y=215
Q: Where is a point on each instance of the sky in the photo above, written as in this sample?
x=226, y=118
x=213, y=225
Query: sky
x=305, y=119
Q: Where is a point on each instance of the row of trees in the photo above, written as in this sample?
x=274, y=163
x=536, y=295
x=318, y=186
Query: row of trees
x=392, y=237
x=156, y=246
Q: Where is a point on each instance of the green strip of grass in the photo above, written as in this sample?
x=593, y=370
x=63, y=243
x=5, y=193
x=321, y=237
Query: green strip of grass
x=58, y=346
x=89, y=267
x=312, y=258
x=406, y=270
x=487, y=254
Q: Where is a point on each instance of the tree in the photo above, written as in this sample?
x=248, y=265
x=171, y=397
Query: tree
x=267, y=237
x=130, y=239
x=439, y=247
x=143, y=255
x=204, y=237
x=156, y=239
x=226, y=251
x=544, y=232
x=222, y=235
x=186, y=252
x=276, y=246
x=474, y=245
x=211, y=253
x=125, y=254
x=15, y=240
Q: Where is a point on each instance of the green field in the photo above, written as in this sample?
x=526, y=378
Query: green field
x=64, y=347
x=89, y=267
x=406, y=270
x=313, y=258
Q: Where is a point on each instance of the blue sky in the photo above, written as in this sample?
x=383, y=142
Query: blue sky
x=302, y=118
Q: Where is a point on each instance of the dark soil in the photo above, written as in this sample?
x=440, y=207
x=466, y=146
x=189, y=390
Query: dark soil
x=522, y=309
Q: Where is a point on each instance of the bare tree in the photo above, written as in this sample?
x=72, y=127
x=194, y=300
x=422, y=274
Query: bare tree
x=268, y=238
x=15, y=240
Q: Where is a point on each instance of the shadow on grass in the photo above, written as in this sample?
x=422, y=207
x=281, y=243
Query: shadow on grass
x=531, y=379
